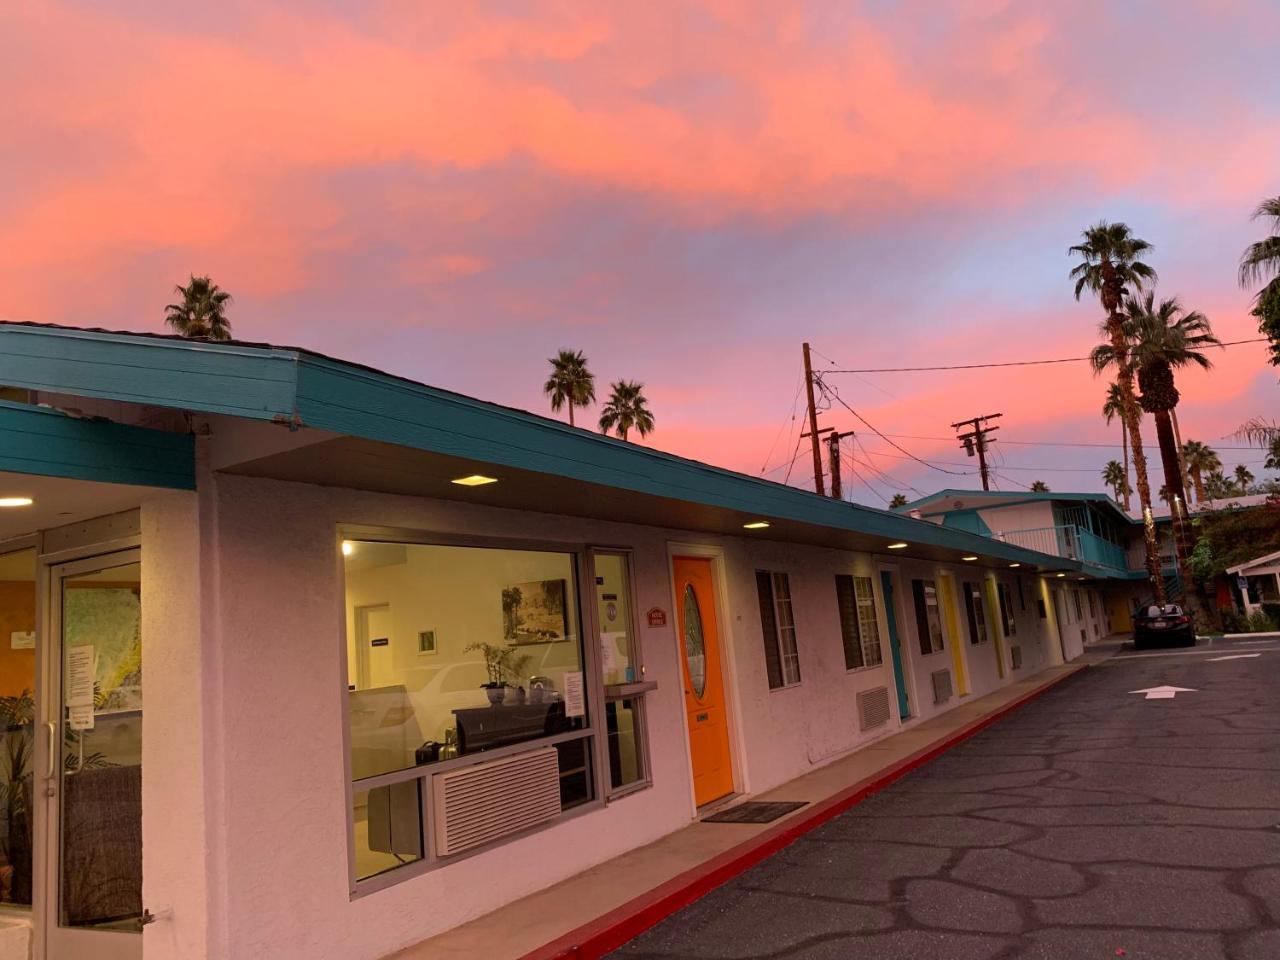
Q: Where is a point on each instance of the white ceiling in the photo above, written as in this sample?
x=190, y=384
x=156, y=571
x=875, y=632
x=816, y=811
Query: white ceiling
x=59, y=502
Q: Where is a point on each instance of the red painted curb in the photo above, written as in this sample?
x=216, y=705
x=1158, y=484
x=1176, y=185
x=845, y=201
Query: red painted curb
x=609, y=931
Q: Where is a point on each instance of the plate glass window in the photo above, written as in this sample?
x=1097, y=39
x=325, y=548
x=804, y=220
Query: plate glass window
x=455, y=652
x=17, y=725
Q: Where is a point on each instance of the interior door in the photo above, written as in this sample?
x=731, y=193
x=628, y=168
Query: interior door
x=704, y=695
x=895, y=643
x=93, y=776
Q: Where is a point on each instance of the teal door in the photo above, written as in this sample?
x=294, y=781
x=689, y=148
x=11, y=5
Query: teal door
x=895, y=646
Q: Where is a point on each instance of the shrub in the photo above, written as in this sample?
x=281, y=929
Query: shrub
x=1259, y=622
x=1272, y=610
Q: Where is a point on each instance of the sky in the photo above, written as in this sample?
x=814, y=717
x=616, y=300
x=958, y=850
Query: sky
x=685, y=191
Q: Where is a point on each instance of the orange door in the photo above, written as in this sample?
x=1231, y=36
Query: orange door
x=703, y=680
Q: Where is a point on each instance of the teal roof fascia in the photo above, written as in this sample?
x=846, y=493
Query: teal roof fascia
x=43, y=442
x=358, y=402
x=254, y=382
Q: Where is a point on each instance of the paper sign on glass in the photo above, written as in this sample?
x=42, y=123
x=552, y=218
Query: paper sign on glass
x=22, y=640
x=80, y=717
x=79, y=677
x=575, y=704
x=608, y=652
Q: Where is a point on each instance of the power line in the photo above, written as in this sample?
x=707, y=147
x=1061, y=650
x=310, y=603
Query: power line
x=1007, y=363
x=789, y=421
x=840, y=400
x=1038, y=443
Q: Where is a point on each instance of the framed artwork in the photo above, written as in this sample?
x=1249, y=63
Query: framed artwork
x=426, y=642
x=535, y=612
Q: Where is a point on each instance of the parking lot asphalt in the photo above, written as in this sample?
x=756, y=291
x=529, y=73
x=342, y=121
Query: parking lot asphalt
x=1094, y=822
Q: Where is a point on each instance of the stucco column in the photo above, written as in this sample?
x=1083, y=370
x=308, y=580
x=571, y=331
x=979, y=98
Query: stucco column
x=173, y=725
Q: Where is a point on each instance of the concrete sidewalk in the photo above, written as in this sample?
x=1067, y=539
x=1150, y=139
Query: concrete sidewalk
x=601, y=908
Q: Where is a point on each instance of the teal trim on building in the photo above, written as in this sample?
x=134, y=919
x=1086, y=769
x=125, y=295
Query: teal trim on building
x=308, y=390
x=259, y=383
x=43, y=442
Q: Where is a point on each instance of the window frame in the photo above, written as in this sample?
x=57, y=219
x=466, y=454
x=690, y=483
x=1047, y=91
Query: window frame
x=920, y=607
x=776, y=639
x=873, y=605
x=593, y=727
x=972, y=591
x=1004, y=596
x=636, y=692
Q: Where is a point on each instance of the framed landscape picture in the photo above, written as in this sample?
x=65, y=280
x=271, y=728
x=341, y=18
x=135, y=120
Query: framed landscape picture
x=535, y=612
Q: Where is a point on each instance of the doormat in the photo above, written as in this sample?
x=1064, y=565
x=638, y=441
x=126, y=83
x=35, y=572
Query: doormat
x=756, y=811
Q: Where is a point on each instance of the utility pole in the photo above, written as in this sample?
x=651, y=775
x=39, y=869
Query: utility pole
x=813, y=426
x=833, y=458
x=974, y=442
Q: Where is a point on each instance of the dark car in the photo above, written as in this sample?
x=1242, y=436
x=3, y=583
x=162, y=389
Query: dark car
x=1166, y=626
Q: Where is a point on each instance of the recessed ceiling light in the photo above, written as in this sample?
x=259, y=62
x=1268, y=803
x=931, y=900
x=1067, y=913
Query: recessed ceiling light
x=16, y=501
x=475, y=480
x=967, y=559
x=898, y=546
x=348, y=548
x=755, y=525
x=1014, y=565
x=1062, y=574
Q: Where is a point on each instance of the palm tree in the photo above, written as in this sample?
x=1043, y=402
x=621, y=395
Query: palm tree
x=1260, y=261
x=1162, y=338
x=1113, y=407
x=202, y=313
x=1244, y=477
x=1114, y=476
x=1200, y=460
x=1110, y=267
x=1217, y=486
x=899, y=500
x=570, y=382
x=1039, y=486
x=626, y=409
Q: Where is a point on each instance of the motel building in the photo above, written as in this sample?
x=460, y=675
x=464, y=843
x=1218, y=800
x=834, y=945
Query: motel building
x=252, y=596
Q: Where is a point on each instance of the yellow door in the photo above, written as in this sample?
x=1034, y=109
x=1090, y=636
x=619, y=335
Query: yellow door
x=703, y=680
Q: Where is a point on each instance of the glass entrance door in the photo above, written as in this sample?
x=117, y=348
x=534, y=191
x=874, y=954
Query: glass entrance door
x=93, y=786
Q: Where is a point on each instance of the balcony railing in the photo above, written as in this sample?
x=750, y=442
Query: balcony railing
x=1070, y=541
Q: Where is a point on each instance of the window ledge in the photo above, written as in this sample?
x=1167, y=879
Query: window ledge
x=625, y=691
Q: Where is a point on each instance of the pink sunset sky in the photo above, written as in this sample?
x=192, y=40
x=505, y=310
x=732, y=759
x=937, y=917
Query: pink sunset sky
x=684, y=191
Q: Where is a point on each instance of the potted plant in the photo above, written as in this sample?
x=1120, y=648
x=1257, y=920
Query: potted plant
x=502, y=665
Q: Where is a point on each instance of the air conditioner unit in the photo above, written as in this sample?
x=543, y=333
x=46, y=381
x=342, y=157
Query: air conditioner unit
x=474, y=805
x=873, y=708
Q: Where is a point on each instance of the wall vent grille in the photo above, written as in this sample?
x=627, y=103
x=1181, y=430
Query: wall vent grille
x=873, y=708
x=477, y=804
x=1015, y=655
x=941, y=685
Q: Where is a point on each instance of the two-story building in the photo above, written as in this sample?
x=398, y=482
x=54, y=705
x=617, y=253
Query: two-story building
x=1089, y=528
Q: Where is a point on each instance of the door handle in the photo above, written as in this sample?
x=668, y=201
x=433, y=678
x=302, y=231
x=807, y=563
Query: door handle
x=51, y=741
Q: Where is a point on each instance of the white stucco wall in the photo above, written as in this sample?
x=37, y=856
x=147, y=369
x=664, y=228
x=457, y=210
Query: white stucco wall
x=267, y=690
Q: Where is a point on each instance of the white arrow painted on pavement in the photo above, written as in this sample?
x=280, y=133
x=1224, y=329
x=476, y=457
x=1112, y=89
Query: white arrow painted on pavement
x=1234, y=656
x=1163, y=693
